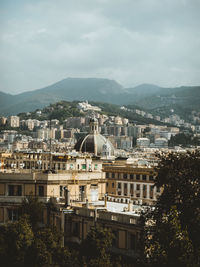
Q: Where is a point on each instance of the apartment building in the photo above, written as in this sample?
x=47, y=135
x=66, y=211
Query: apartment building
x=13, y=121
x=126, y=181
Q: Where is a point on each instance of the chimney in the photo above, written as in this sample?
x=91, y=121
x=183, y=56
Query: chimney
x=105, y=200
x=87, y=204
x=130, y=205
x=67, y=197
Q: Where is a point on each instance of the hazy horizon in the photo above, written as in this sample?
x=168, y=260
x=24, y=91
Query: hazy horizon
x=35, y=89
x=130, y=41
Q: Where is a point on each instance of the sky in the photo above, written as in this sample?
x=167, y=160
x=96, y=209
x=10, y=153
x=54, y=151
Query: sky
x=130, y=41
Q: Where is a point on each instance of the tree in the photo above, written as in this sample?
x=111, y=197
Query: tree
x=34, y=209
x=172, y=228
x=15, y=242
x=95, y=248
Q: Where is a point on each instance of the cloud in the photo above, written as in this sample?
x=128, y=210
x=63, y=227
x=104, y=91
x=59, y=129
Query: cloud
x=131, y=41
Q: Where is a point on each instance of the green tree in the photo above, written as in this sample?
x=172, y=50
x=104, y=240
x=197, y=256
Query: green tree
x=95, y=248
x=172, y=228
x=34, y=209
x=16, y=240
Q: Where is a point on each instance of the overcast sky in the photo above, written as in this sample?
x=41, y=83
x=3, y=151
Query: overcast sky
x=130, y=41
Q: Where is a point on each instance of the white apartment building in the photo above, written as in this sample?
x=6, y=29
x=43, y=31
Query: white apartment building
x=13, y=121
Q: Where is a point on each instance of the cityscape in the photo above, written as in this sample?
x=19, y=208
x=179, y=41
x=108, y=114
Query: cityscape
x=102, y=167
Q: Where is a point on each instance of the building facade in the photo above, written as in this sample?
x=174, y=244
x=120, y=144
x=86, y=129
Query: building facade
x=83, y=179
x=126, y=181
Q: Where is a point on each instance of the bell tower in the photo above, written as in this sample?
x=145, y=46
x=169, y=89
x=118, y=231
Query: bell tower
x=94, y=126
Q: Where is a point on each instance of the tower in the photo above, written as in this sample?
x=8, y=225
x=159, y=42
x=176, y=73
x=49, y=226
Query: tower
x=94, y=126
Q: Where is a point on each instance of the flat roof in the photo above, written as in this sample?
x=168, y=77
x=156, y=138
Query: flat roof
x=119, y=207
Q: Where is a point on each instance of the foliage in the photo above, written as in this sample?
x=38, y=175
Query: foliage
x=23, y=244
x=20, y=246
x=33, y=209
x=184, y=140
x=15, y=242
x=172, y=229
x=97, y=243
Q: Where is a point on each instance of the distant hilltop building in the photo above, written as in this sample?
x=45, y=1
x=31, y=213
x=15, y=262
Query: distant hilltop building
x=94, y=142
x=85, y=106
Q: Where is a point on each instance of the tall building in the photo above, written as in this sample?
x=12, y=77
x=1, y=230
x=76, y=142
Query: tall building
x=13, y=121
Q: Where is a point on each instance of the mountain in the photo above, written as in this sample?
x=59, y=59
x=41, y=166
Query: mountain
x=6, y=99
x=146, y=96
x=184, y=96
x=68, y=89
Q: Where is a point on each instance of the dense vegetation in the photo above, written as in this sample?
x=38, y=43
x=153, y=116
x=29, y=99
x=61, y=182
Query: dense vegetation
x=64, y=109
x=26, y=243
x=184, y=140
x=172, y=229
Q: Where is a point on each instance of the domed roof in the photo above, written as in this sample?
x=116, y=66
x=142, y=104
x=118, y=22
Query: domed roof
x=96, y=144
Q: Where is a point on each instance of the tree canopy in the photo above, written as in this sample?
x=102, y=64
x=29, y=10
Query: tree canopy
x=172, y=228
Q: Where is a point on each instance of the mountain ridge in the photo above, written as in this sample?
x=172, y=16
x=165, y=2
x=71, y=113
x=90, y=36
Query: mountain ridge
x=146, y=96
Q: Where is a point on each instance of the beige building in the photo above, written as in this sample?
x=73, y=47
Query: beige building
x=127, y=181
x=13, y=121
x=82, y=178
x=121, y=219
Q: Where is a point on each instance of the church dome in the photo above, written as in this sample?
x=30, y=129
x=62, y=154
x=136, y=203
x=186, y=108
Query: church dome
x=94, y=142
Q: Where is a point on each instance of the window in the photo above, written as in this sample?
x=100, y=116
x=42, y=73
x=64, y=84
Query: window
x=151, y=178
x=91, y=213
x=61, y=190
x=125, y=175
x=131, y=186
x=158, y=190
x=151, y=188
x=71, y=166
x=107, y=175
x=131, y=176
x=144, y=187
x=83, y=166
x=144, y=177
x=132, y=220
x=138, y=187
x=11, y=190
x=113, y=217
x=13, y=214
x=96, y=166
x=119, y=185
x=14, y=190
x=132, y=241
x=112, y=185
x=137, y=177
x=125, y=186
x=75, y=229
x=41, y=190
x=113, y=175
